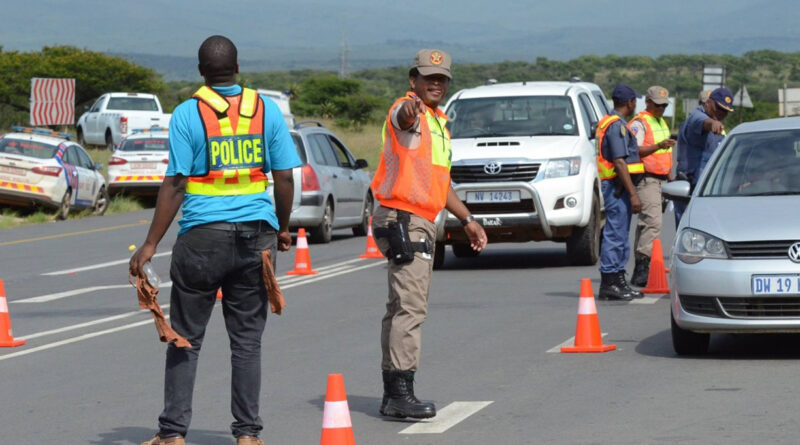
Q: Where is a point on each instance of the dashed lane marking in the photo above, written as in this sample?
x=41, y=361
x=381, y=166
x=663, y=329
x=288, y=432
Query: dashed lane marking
x=100, y=265
x=646, y=300
x=65, y=235
x=448, y=417
x=569, y=342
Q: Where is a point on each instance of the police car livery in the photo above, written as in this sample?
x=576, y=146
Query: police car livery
x=42, y=167
x=139, y=162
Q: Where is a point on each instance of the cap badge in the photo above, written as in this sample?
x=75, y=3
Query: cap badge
x=727, y=99
x=662, y=93
x=436, y=58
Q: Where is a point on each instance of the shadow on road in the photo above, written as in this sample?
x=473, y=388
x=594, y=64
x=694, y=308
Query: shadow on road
x=134, y=434
x=728, y=347
x=504, y=258
x=362, y=404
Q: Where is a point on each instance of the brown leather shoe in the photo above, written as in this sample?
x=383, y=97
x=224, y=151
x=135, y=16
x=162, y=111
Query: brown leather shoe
x=249, y=440
x=157, y=440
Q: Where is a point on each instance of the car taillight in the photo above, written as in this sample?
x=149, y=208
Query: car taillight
x=165, y=161
x=116, y=161
x=123, y=124
x=47, y=170
x=310, y=181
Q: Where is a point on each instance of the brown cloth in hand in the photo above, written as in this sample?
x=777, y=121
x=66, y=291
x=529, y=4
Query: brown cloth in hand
x=274, y=294
x=148, y=300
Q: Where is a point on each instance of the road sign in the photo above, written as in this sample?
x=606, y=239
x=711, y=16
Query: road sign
x=52, y=101
x=713, y=77
x=742, y=98
x=789, y=101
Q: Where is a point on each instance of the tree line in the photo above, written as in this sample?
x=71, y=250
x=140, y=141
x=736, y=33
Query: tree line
x=365, y=94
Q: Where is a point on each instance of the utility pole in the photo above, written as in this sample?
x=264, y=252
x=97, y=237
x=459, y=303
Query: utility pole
x=343, y=57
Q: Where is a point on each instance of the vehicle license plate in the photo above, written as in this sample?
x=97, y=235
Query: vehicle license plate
x=491, y=196
x=775, y=284
x=12, y=170
x=143, y=165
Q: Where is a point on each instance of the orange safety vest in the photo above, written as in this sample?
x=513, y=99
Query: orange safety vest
x=416, y=179
x=656, y=130
x=235, y=144
x=605, y=168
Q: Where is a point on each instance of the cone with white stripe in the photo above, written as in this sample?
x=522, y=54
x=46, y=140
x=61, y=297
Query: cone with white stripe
x=302, y=260
x=6, y=334
x=372, y=250
x=588, y=337
x=336, y=426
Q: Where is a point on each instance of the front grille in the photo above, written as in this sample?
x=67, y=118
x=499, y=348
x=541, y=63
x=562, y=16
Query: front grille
x=762, y=307
x=509, y=172
x=760, y=249
x=497, y=144
x=706, y=306
x=525, y=205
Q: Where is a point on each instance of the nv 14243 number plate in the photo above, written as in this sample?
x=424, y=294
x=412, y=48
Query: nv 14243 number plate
x=776, y=284
x=490, y=196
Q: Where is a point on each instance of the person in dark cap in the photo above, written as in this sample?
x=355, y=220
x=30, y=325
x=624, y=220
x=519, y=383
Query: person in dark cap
x=693, y=136
x=619, y=168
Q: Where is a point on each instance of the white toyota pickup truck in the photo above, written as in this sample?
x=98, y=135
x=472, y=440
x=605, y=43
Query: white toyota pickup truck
x=114, y=115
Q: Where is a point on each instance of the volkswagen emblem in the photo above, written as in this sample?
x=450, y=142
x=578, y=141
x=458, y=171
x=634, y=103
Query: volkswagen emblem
x=493, y=168
x=794, y=252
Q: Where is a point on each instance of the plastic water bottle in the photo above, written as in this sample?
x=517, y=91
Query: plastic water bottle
x=152, y=276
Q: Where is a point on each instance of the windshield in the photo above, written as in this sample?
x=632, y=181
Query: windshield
x=757, y=164
x=29, y=148
x=132, y=104
x=154, y=144
x=512, y=116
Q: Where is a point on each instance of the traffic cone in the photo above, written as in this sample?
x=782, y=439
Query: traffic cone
x=6, y=335
x=302, y=260
x=588, y=337
x=372, y=250
x=219, y=294
x=337, y=429
x=657, y=279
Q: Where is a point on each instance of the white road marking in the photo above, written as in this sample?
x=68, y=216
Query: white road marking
x=99, y=266
x=318, y=278
x=89, y=323
x=81, y=291
x=446, y=418
x=646, y=300
x=569, y=342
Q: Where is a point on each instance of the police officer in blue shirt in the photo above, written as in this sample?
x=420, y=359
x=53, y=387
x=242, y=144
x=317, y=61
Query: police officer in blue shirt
x=693, y=137
x=619, y=168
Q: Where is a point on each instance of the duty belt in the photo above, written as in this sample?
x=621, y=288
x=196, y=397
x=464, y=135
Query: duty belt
x=243, y=226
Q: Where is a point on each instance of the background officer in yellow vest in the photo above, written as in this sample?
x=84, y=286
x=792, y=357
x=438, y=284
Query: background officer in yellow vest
x=619, y=168
x=655, y=149
x=412, y=185
x=222, y=142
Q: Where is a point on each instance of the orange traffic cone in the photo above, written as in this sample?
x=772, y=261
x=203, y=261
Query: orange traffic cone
x=219, y=294
x=6, y=335
x=657, y=279
x=588, y=337
x=302, y=260
x=372, y=248
x=337, y=429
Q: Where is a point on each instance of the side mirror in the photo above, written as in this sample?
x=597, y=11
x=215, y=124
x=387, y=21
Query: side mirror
x=593, y=131
x=85, y=108
x=98, y=166
x=677, y=191
x=361, y=163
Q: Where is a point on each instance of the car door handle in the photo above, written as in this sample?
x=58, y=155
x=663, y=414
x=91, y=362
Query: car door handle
x=335, y=175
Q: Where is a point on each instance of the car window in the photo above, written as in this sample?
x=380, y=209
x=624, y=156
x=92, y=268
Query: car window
x=298, y=144
x=150, y=144
x=70, y=157
x=83, y=158
x=601, y=101
x=322, y=150
x=28, y=148
x=97, y=104
x=345, y=158
x=587, y=113
x=756, y=164
x=132, y=104
x=512, y=116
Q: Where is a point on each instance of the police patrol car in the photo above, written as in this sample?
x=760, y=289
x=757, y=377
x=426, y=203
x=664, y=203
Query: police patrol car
x=42, y=167
x=139, y=162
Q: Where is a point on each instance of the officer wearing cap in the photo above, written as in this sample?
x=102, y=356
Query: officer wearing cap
x=412, y=185
x=655, y=149
x=693, y=136
x=619, y=168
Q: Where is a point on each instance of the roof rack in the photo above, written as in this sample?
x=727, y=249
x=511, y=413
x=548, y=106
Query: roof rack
x=308, y=122
x=151, y=129
x=41, y=131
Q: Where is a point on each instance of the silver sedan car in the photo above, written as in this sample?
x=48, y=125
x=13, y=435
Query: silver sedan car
x=735, y=265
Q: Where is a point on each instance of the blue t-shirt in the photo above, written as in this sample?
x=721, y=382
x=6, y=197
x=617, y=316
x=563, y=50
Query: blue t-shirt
x=188, y=157
x=691, y=143
x=713, y=142
x=619, y=142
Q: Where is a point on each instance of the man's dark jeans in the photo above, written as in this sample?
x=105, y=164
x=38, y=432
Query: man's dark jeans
x=204, y=260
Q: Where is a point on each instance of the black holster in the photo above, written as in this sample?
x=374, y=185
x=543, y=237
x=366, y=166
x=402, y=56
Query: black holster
x=401, y=248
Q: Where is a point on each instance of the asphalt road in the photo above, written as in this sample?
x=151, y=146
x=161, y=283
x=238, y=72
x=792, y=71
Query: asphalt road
x=92, y=369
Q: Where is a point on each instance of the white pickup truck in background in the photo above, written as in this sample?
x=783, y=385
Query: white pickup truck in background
x=114, y=115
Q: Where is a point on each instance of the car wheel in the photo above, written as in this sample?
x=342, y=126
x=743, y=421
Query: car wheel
x=686, y=342
x=81, y=139
x=101, y=203
x=363, y=228
x=464, y=251
x=64, y=208
x=324, y=231
x=109, y=141
x=583, y=246
x=438, y=255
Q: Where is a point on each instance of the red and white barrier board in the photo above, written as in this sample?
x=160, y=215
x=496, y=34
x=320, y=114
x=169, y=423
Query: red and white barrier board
x=52, y=101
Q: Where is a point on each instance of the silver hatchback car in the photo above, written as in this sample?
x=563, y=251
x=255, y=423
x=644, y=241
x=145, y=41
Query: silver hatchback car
x=735, y=265
x=334, y=186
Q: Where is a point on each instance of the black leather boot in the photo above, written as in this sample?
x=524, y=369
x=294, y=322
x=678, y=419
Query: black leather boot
x=623, y=284
x=387, y=385
x=611, y=289
x=641, y=272
x=402, y=403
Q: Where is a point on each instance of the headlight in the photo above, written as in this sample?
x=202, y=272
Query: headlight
x=694, y=245
x=559, y=168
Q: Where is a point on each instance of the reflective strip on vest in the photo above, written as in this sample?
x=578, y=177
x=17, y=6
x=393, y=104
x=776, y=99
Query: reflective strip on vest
x=656, y=130
x=605, y=168
x=235, y=158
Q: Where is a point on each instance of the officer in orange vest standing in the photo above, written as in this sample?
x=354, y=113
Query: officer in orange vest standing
x=222, y=143
x=412, y=186
x=619, y=168
x=655, y=149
